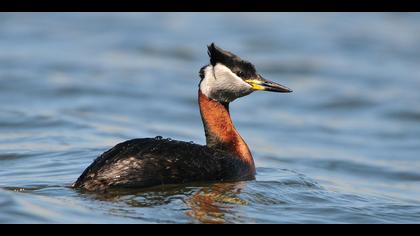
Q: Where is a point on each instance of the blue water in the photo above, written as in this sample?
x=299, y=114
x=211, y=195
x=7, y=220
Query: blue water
x=342, y=148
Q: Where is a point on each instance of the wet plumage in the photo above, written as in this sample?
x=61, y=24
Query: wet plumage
x=153, y=161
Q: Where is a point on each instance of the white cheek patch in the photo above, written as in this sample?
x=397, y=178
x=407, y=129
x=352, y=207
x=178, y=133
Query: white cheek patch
x=221, y=84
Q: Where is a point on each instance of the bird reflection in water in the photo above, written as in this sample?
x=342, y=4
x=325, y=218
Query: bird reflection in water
x=210, y=203
x=204, y=203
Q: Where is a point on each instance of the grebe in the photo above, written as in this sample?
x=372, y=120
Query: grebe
x=147, y=162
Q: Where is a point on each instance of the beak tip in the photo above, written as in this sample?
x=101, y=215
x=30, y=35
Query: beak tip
x=285, y=89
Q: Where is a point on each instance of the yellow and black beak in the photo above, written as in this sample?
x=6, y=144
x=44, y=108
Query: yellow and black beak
x=262, y=84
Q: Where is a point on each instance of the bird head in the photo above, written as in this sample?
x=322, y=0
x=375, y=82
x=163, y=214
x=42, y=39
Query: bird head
x=229, y=77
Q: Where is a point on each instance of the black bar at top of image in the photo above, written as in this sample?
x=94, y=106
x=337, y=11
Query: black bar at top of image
x=209, y=5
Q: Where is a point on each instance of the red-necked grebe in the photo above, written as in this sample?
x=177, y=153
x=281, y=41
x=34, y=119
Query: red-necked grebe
x=154, y=161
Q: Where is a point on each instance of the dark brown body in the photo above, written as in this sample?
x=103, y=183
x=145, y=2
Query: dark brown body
x=147, y=162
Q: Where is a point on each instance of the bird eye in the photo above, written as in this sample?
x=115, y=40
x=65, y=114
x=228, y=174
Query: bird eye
x=240, y=74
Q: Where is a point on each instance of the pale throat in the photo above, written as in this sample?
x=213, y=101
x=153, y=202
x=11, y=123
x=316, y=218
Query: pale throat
x=220, y=131
x=221, y=84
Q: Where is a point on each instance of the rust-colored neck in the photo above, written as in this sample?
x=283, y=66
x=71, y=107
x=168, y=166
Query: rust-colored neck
x=219, y=129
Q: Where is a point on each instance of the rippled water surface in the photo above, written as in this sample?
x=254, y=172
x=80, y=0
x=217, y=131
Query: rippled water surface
x=344, y=147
